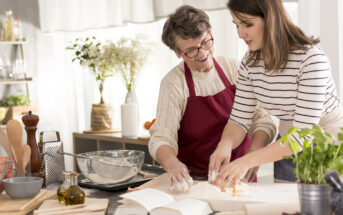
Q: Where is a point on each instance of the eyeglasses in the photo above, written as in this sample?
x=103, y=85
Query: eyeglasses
x=206, y=45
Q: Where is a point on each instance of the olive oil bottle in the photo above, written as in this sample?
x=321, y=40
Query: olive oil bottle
x=63, y=187
x=74, y=194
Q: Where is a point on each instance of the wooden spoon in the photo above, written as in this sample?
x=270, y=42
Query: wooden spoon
x=15, y=136
x=26, y=155
x=6, y=145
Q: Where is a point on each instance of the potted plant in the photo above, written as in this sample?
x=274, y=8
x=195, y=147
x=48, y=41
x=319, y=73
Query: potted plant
x=92, y=54
x=128, y=56
x=14, y=106
x=319, y=155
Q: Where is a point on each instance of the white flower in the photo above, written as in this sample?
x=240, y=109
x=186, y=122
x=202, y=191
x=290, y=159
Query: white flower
x=93, y=52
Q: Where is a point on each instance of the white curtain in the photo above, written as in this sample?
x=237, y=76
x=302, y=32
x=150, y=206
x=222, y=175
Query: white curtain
x=324, y=19
x=77, y=15
x=309, y=16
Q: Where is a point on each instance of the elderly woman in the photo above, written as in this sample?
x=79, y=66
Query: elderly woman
x=195, y=103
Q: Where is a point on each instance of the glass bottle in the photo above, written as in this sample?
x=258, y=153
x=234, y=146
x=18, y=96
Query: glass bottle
x=17, y=29
x=63, y=187
x=9, y=20
x=2, y=27
x=74, y=194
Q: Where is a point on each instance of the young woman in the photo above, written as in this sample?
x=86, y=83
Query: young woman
x=195, y=102
x=289, y=74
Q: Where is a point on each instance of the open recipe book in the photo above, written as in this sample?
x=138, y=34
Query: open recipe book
x=157, y=202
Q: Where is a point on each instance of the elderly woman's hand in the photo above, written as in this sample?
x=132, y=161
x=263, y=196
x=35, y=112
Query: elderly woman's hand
x=179, y=179
x=220, y=156
x=251, y=174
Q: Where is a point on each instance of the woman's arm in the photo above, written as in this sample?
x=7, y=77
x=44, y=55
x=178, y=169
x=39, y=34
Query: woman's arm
x=259, y=140
x=163, y=142
x=263, y=121
x=263, y=130
x=168, y=116
x=232, y=137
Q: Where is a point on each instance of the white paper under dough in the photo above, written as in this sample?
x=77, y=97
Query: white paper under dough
x=219, y=201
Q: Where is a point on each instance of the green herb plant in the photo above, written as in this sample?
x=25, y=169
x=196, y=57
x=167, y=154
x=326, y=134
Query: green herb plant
x=319, y=153
x=20, y=100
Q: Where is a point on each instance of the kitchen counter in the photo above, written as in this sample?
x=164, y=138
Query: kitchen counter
x=112, y=196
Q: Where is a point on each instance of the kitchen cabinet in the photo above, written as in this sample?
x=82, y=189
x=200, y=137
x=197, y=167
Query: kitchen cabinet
x=109, y=141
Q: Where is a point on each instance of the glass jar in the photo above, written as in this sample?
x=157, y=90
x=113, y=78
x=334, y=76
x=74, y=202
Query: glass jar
x=63, y=187
x=74, y=194
x=9, y=20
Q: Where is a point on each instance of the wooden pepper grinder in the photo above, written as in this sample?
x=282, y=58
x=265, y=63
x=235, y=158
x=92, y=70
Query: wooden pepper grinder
x=30, y=121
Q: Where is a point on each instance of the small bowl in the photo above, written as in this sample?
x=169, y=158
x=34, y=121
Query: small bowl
x=22, y=187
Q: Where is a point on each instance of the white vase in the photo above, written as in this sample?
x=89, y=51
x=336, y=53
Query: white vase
x=131, y=97
x=129, y=120
x=130, y=115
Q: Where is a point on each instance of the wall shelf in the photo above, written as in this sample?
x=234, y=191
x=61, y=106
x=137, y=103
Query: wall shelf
x=14, y=81
x=25, y=80
x=12, y=42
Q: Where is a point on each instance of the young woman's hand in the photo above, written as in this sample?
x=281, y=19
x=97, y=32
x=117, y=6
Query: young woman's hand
x=179, y=179
x=220, y=156
x=231, y=173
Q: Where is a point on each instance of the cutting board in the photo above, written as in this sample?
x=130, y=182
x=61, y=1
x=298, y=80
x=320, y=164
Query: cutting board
x=23, y=206
x=260, y=193
x=92, y=206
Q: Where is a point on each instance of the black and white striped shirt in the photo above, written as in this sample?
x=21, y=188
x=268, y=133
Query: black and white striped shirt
x=301, y=94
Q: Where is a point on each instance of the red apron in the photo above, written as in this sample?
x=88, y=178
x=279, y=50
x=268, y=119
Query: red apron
x=203, y=123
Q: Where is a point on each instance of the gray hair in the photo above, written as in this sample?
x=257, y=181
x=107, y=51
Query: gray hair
x=187, y=22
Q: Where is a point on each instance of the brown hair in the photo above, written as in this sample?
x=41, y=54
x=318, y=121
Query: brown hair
x=186, y=22
x=281, y=36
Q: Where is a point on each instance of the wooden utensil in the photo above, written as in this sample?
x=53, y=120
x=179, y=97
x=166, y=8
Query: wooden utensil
x=15, y=136
x=26, y=155
x=6, y=145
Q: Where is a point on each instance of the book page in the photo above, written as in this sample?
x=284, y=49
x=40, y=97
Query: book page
x=130, y=210
x=184, y=207
x=149, y=198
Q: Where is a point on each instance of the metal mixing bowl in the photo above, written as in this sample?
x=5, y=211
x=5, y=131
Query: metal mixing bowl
x=111, y=166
